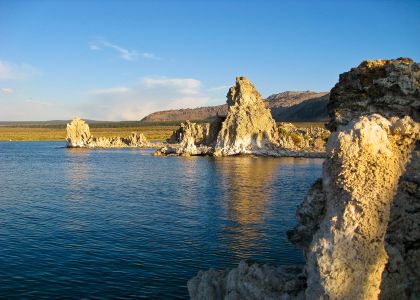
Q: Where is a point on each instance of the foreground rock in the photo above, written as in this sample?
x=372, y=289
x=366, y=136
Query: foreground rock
x=390, y=87
x=365, y=160
x=79, y=136
x=248, y=128
x=401, y=277
x=344, y=218
x=359, y=226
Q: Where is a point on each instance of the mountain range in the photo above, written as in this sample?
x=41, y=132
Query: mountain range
x=289, y=106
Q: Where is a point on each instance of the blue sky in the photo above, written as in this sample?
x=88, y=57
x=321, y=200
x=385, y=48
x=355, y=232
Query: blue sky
x=120, y=60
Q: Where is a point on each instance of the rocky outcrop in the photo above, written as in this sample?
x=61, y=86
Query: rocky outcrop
x=302, y=138
x=359, y=225
x=388, y=87
x=78, y=133
x=401, y=277
x=343, y=220
x=347, y=256
x=79, y=136
x=249, y=281
x=248, y=126
x=192, y=139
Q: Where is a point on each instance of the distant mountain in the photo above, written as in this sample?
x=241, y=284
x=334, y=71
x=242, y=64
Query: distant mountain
x=303, y=106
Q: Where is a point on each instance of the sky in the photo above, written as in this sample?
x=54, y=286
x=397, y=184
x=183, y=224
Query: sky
x=121, y=60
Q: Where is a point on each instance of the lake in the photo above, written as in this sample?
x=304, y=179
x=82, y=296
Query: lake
x=121, y=223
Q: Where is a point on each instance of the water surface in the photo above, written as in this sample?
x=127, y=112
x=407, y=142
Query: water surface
x=116, y=223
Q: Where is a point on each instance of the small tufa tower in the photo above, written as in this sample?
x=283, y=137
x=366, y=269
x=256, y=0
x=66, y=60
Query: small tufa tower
x=78, y=134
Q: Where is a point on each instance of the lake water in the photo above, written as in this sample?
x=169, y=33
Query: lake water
x=121, y=223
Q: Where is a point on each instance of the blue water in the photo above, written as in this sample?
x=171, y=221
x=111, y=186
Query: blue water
x=124, y=224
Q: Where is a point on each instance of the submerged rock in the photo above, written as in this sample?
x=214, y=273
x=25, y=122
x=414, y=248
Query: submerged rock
x=78, y=136
x=390, y=87
x=249, y=281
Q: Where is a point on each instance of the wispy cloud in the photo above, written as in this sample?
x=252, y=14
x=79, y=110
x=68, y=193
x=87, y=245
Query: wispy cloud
x=188, y=86
x=6, y=90
x=148, y=95
x=14, y=71
x=126, y=54
x=111, y=91
x=218, y=88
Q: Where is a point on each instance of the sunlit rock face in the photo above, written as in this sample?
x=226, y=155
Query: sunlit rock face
x=192, y=139
x=78, y=133
x=248, y=128
x=401, y=277
x=346, y=257
x=302, y=139
x=388, y=87
x=78, y=136
x=249, y=125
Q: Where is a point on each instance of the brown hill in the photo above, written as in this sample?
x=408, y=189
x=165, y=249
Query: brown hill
x=303, y=106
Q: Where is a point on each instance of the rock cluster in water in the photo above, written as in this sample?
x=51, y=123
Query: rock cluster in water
x=248, y=128
x=79, y=136
x=359, y=226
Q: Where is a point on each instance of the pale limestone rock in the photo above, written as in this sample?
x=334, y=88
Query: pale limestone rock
x=249, y=281
x=78, y=133
x=249, y=125
x=78, y=136
x=247, y=129
x=366, y=158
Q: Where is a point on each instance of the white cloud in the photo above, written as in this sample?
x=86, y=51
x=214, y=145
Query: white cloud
x=113, y=90
x=129, y=55
x=12, y=71
x=219, y=88
x=186, y=86
x=149, y=95
x=6, y=90
x=127, y=102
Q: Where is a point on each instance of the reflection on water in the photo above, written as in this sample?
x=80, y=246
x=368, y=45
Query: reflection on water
x=77, y=172
x=125, y=224
x=246, y=181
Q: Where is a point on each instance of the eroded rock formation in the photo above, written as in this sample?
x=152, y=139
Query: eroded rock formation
x=78, y=133
x=365, y=160
x=390, y=87
x=359, y=226
x=79, y=136
x=248, y=128
x=401, y=277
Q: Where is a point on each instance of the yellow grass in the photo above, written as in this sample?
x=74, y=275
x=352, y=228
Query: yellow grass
x=152, y=132
x=158, y=133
